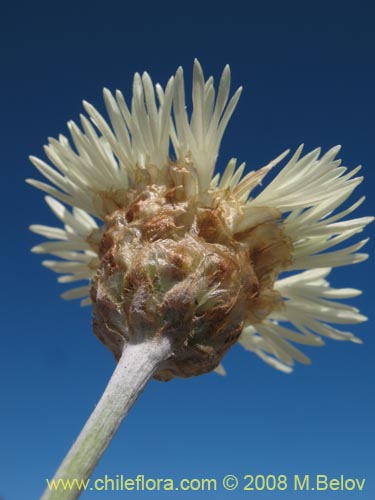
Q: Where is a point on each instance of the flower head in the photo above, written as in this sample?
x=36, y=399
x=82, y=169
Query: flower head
x=168, y=246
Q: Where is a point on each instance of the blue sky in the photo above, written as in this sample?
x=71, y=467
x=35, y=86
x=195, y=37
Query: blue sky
x=308, y=76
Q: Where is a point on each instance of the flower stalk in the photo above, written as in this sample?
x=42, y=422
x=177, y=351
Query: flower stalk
x=136, y=367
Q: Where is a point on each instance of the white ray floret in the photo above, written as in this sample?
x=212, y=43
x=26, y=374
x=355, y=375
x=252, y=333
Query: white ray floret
x=107, y=161
x=74, y=246
x=310, y=189
x=313, y=232
x=306, y=181
x=200, y=137
x=309, y=308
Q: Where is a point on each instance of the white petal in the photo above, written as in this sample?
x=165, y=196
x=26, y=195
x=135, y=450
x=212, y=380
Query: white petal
x=75, y=293
x=220, y=370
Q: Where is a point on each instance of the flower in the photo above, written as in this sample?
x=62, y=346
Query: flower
x=169, y=247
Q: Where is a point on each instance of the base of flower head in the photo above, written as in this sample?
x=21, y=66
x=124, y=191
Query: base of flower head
x=172, y=265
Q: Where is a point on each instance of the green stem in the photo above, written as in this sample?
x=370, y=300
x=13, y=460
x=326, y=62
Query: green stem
x=137, y=365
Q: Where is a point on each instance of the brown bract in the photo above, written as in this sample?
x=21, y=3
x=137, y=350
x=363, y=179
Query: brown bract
x=173, y=263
